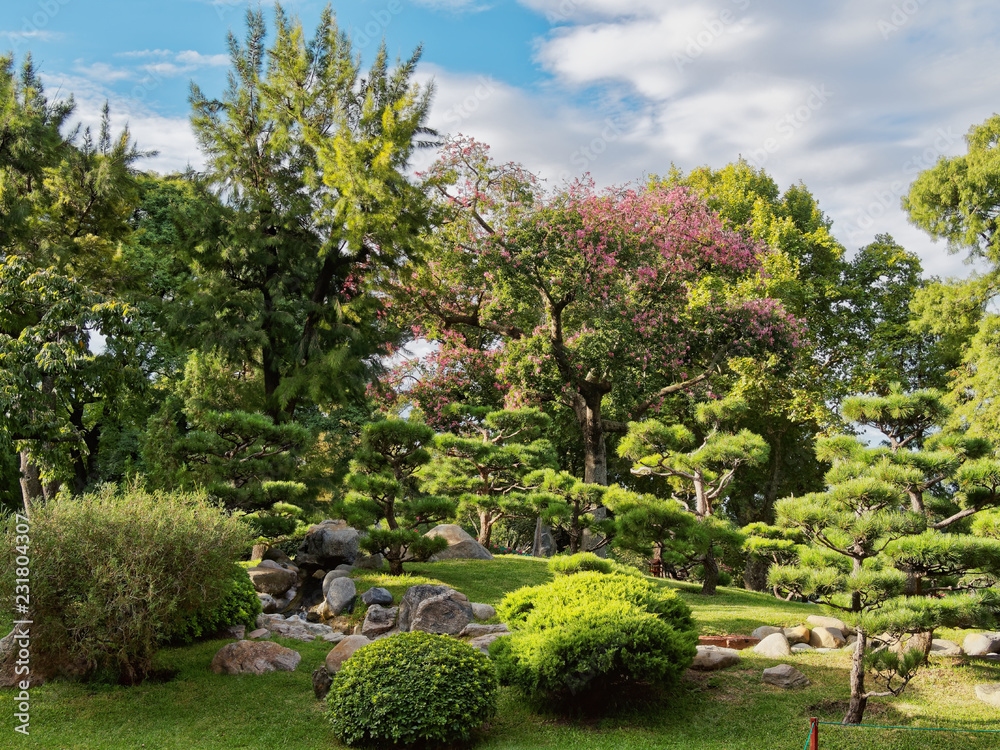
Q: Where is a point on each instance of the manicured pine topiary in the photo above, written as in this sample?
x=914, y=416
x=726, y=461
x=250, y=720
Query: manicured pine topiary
x=410, y=688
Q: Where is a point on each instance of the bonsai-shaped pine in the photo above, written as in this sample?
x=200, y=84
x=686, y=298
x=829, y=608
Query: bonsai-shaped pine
x=851, y=527
x=698, y=467
x=484, y=461
x=666, y=532
x=569, y=503
x=383, y=493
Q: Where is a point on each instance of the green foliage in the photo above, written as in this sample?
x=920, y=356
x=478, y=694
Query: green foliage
x=591, y=632
x=383, y=488
x=239, y=605
x=484, y=460
x=114, y=573
x=566, y=502
x=582, y=562
x=412, y=688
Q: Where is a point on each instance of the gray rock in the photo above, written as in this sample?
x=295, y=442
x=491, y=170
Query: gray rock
x=818, y=621
x=379, y=620
x=775, y=645
x=377, y=595
x=343, y=651
x=977, y=644
x=254, y=657
x=274, y=581
x=339, y=593
x=329, y=543
x=483, y=642
x=543, y=545
x=259, y=634
x=321, y=683
x=785, y=676
x=475, y=629
x=334, y=637
x=277, y=555
x=764, y=631
x=268, y=604
x=712, y=658
x=483, y=611
x=237, y=632
x=798, y=634
x=799, y=647
x=823, y=637
x=989, y=693
x=461, y=546
x=444, y=614
x=344, y=567
x=369, y=562
x=942, y=647
x=411, y=600
x=265, y=563
x=293, y=629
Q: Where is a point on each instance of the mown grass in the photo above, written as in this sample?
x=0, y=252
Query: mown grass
x=731, y=709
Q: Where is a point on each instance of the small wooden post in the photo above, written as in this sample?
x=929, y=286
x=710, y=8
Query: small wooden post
x=814, y=734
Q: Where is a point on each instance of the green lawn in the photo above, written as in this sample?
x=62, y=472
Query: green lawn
x=729, y=709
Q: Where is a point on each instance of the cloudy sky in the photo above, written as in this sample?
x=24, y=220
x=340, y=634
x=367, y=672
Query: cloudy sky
x=851, y=97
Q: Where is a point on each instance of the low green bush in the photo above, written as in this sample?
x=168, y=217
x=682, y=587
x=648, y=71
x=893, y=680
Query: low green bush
x=412, y=687
x=590, y=633
x=112, y=573
x=240, y=605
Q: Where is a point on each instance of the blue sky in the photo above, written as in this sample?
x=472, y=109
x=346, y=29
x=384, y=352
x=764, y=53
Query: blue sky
x=851, y=97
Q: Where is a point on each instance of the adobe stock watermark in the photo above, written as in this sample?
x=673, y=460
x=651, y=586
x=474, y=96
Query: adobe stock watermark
x=714, y=28
x=902, y=13
x=22, y=627
x=590, y=152
x=462, y=111
x=882, y=201
x=791, y=122
x=34, y=25
x=373, y=30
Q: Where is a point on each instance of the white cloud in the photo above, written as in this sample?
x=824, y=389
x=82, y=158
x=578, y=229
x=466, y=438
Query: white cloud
x=102, y=72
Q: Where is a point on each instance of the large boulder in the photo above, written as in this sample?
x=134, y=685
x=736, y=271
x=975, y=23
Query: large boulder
x=822, y=637
x=980, y=644
x=764, y=631
x=775, y=645
x=339, y=593
x=712, y=658
x=445, y=614
x=328, y=544
x=461, y=546
x=379, y=621
x=272, y=579
x=476, y=629
x=412, y=598
x=942, y=647
x=254, y=657
x=818, y=621
x=785, y=676
x=343, y=651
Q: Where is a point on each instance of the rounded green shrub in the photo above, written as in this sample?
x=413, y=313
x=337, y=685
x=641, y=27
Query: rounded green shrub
x=566, y=565
x=590, y=633
x=239, y=605
x=114, y=572
x=412, y=687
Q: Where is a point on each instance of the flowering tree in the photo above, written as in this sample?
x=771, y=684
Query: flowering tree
x=600, y=303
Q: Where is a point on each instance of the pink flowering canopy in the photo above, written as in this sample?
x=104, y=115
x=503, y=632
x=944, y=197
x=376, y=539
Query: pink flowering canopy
x=599, y=300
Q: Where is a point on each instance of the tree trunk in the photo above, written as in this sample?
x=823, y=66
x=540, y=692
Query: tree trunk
x=31, y=483
x=711, y=573
x=485, y=528
x=595, y=459
x=856, y=709
x=755, y=573
x=395, y=558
